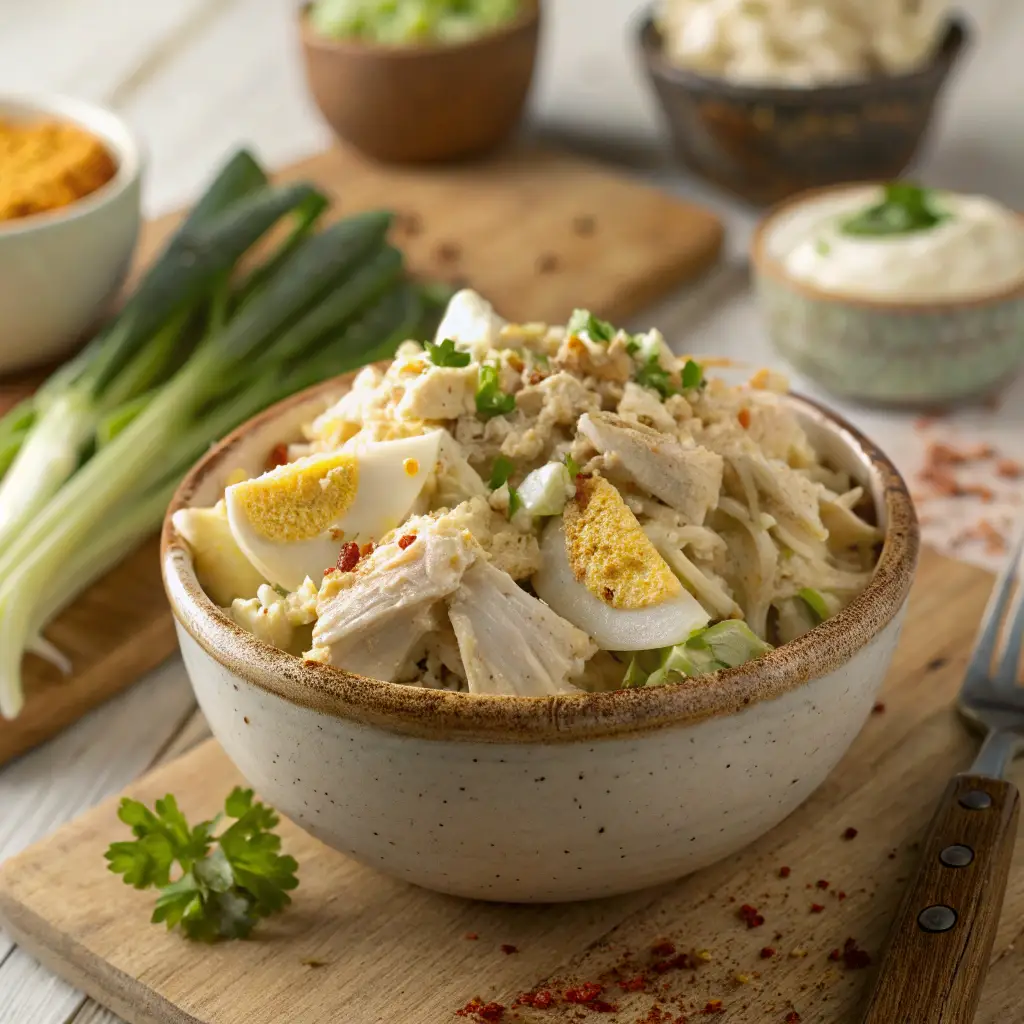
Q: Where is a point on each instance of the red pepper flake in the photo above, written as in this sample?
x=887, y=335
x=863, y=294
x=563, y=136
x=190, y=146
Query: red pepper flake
x=749, y=914
x=600, y=1006
x=327, y=572
x=482, y=1011
x=850, y=833
x=680, y=962
x=767, y=953
x=637, y=984
x=816, y=908
x=744, y=417
x=784, y=872
x=841, y=894
x=713, y=1006
x=404, y=542
x=348, y=557
x=537, y=1000
x=663, y=949
x=855, y=959
x=584, y=994
x=822, y=884
x=508, y=950
x=472, y=936
x=792, y=1017
x=878, y=708
x=835, y=955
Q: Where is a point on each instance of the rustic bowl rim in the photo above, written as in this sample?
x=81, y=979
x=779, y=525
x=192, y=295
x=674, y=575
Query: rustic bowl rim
x=102, y=123
x=440, y=714
x=525, y=22
x=768, y=266
x=956, y=37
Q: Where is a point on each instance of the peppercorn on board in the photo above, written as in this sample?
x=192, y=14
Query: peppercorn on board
x=739, y=942
x=536, y=231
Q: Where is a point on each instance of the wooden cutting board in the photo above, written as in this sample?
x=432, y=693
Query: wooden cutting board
x=537, y=231
x=361, y=948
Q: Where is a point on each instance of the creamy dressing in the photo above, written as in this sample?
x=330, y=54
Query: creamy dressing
x=977, y=250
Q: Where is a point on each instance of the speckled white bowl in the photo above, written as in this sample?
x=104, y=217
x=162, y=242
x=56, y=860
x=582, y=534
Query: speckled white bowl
x=540, y=799
x=58, y=270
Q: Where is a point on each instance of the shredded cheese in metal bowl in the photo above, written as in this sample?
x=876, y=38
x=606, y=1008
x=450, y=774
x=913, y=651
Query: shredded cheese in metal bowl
x=537, y=510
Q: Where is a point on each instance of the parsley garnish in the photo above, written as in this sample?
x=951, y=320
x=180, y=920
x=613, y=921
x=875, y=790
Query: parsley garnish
x=821, y=247
x=490, y=399
x=227, y=882
x=904, y=208
x=651, y=374
x=446, y=354
x=572, y=466
x=583, y=321
x=501, y=471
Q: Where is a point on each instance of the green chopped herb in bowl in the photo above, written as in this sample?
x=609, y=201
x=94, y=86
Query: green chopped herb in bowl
x=409, y=22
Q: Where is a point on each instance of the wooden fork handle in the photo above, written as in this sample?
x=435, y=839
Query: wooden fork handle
x=939, y=946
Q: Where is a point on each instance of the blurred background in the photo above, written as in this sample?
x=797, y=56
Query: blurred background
x=195, y=77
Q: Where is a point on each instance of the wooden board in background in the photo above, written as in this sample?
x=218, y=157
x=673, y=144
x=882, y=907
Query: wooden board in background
x=536, y=231
x=391, y=952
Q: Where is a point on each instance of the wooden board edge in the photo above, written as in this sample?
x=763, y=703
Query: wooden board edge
x=76, y=965
x=42, y=719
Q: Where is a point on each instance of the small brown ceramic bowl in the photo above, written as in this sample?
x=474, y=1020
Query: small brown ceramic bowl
x=424, y=103
x=765, y=143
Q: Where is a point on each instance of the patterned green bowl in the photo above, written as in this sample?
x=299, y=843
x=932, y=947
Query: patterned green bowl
x=888, y=352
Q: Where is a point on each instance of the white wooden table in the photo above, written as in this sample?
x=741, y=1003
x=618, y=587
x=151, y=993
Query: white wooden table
x=197, y=77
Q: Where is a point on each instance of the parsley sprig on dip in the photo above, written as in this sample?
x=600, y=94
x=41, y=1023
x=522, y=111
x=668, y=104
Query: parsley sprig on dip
x=225, y=882
x=904, y=208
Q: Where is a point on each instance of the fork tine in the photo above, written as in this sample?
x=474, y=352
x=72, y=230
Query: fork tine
x=1009, y=663
x=988, y=634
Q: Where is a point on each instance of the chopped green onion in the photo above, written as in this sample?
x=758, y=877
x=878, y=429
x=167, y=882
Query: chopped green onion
x=816, y=603
x=571, y=465
x=654, y=376
x=446, y=354
x=500, y=472
x=490, y=399
x=515, y=503
x=693, y=375
x=583, y=322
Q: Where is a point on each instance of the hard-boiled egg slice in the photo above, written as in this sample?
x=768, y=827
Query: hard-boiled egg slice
x=291, y=522
x=602, y=573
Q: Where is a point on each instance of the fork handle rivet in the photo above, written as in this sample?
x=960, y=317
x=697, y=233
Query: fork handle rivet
x=938, y=918
x=956, y=856
x=976, y=800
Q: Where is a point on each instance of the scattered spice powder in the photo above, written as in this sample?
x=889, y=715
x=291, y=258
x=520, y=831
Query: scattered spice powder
x=508, y=950
x=767, y=953
x=854, y=958
x=482, y=1011
x=637, y=984
x=816, y=908
x=278, y=456
x=841, y=895
x=713, y=1006
x=679, y=962
x=472, y=936
x=585, y=993
x=348, y=557
x=850, y=833
x=784, y=872
x=541, y=1000
x=985, y=532
x=750, y=916
x=662, y=949
x=822, y=883
x=792, y=1017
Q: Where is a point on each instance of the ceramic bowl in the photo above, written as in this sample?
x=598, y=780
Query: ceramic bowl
x=540, y=799
x=424, y=103
x=765, y=143
x=896, y=353
x=58, y=270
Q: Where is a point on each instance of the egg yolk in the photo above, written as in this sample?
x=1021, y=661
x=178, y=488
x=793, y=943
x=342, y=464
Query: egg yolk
x=300, y=502
x=609, y=552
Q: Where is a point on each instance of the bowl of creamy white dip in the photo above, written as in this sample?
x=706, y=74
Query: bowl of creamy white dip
x=894, y=293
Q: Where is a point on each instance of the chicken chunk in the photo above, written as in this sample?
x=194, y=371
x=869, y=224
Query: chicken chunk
x=510, y=641
x=440, y=393
x=687, y=478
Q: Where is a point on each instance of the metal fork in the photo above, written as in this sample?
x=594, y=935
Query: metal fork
x=941, y=940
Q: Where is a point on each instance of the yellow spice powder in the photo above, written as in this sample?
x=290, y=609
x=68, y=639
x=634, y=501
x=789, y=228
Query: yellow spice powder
x=45, y=165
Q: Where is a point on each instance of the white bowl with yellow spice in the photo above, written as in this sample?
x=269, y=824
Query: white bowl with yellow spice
x=538, y=614
x=69, y=221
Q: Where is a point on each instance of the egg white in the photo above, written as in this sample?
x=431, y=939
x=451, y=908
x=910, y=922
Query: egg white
x=388, y=486
x=613, y=629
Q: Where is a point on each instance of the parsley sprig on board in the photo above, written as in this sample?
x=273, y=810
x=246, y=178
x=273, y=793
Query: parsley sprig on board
x=905, y=208
x=225, y=882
